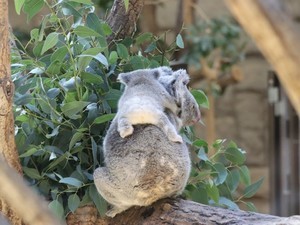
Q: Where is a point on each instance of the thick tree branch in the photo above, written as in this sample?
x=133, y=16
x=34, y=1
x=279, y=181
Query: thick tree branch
x=183, y=212
x=123, y=23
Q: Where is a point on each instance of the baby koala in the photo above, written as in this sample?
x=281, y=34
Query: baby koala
x=144, y=101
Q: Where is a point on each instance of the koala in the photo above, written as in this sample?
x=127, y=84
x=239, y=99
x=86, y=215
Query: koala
x=143, y=102
x=176, y=85
x=147, y=166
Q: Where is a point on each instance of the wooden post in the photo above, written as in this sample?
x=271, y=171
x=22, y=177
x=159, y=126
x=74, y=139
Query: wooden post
x=277, y=38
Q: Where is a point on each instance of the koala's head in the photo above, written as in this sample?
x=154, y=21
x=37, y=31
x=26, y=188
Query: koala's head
x=141, y=76
x=176, y=84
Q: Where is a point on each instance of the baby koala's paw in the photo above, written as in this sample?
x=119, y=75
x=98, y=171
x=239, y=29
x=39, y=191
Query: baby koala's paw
x=125, y=131
x=176, y=138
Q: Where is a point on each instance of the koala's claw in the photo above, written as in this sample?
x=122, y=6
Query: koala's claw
x=125, y=131
x=176, y=138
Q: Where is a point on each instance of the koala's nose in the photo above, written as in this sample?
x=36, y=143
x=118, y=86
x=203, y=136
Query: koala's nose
x=197, y=117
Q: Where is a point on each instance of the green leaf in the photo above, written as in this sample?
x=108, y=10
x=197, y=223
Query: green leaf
x=202, y=155
x=32, y=173
x=251, y=207
x=104, y=118
x=228, y=203
x=59, y=54
x=76, y=137
x=89, y=2
x=73, y=202
x=99, y=57
x=199, y=194
x=143, y=38
x=71, y=181
x=245, y=175
x=93, y=22
x=32, y=7
x=213, y=192
x=252, y=189
x=235, y=155
x=200, y=143
x=106, y=29
x=51, y=41
x=201, y=98
x=222, y=173
x=70, y=109
x=98, y=200
x=122, y=51
x=85, y=58
x=84, y=31
x=113, y=57
x=23, y=99
x=56, y=207
x=91, y=78
x=18, y=5
x=232, y=180
x=179, y=41
x=126, y=3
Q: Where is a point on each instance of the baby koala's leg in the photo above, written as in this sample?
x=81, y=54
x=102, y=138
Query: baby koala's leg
x=169, y=129
x=107, y=187
x=125, y=128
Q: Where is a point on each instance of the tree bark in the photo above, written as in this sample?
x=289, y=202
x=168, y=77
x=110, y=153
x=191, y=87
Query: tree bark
x=122, y=22
x=183, y=212
x=7, y=141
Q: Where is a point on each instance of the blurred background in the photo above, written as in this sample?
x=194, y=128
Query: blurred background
x=247, y=102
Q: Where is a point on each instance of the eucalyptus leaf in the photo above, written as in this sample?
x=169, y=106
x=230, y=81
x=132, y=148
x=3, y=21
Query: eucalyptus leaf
x=72, y=108
x=104, y=118
x=71, y=181
x=56, y=207
x=84, y=31
x=252, y=188
x=73, y=202
x=51, y=41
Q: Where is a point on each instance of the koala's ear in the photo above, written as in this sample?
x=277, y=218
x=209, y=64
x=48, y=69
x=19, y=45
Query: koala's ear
x=124, y=78
x=182, y=76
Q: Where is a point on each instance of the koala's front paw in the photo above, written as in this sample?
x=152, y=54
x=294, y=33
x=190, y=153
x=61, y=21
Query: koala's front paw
x=176, y=138
x=126, y=131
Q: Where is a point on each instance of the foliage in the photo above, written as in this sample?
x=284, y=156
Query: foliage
x=216, y=178
x=215, y=40
x=66, y=94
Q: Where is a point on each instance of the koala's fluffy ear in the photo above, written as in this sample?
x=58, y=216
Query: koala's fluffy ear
x=182, y=76
x=124, y=78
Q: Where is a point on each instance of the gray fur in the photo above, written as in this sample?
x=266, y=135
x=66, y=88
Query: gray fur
x=145, y=166
x=144, y=102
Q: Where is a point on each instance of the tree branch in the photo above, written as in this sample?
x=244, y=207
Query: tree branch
x=183, y=212
x=122, y=23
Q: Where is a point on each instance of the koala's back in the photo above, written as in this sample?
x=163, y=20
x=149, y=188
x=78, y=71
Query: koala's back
x=147, y=165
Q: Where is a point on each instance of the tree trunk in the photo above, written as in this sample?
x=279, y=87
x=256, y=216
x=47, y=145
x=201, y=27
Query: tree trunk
x=7, y=141
x=122, y=22
x=182, y=212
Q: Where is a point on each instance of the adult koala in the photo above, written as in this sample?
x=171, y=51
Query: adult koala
x=147, y=166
